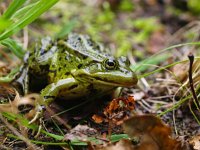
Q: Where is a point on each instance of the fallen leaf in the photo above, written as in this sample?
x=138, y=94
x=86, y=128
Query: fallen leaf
x=152, y=132
x=181, y=71
x=195, y=142
x=80, y=132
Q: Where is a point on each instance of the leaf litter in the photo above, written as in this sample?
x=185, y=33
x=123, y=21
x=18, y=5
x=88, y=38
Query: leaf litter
x=164, y=90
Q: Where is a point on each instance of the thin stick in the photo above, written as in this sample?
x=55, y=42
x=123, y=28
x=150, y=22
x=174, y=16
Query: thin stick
x=191, y=59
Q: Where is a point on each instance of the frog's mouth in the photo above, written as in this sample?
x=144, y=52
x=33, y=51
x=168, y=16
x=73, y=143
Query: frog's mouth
x=106, y=79
x=114, y=83
x=116, y=78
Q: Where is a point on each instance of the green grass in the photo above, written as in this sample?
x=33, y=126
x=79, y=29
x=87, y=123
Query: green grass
x=18, y=15
x=25, y=123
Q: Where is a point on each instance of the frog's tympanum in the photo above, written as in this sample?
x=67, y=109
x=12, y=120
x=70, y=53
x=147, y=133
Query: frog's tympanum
x=76, y=67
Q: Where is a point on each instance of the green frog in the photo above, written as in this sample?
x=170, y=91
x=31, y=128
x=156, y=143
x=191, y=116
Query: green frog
x=76, y=67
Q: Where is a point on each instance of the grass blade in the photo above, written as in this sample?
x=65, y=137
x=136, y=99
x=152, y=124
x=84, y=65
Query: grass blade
x=144, y=65
x=14, y=47
x=32, y=14
x=20, y=13
x=10, y=77
x=66, y=29
x=150, y=61
x=4, y=23
x=12, y=8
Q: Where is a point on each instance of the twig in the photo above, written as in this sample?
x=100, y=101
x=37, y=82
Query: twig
x=191, y=59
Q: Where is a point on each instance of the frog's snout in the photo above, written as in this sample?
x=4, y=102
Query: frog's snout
x=130, y=80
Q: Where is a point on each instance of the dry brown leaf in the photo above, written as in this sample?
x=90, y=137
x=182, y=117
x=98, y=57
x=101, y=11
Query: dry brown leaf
x=181, y=71
x=195, y=142
x=80, y=132
x=152, y=132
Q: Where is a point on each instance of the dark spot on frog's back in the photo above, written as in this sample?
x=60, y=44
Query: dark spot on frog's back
x=90, y=42
x=67, y=73
x=63, y=50
x=73, y=87
x=79, y=39
x=44, y=68
x=79, y=66
x=42, y=51
x=98, y=78
x=33, y=59
x=84, y=56
x=97, y=47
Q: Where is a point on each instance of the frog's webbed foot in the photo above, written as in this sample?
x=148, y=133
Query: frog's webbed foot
x=30, y=106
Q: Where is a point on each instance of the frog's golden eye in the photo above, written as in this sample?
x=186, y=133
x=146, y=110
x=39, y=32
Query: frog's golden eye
x=110, y=64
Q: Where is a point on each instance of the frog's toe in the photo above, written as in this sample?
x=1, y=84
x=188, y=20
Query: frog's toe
x=38, y=114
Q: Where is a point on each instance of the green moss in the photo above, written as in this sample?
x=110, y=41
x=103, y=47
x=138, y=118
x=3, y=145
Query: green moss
x=194, y=6
x=126, y=5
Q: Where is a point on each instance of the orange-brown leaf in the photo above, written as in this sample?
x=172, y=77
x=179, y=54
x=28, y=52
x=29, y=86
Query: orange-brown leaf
x=97, y=119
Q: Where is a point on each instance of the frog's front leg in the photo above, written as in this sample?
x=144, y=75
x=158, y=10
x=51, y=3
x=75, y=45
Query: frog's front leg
x=50, y=93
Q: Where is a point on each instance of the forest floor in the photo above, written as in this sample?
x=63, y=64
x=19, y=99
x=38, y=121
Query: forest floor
x=159, y=113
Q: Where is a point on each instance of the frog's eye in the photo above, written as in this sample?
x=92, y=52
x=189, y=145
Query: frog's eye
x=110, y=64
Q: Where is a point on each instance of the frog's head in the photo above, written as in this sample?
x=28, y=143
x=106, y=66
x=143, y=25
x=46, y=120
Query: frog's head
x=110, y=71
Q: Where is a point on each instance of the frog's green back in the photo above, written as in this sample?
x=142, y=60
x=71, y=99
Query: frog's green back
x=74, y=53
